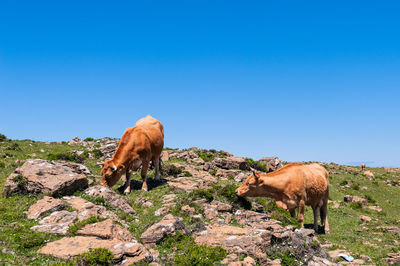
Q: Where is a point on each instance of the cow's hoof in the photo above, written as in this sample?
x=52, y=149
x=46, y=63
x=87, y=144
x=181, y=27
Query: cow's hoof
x=145, y=189
x=127, y=191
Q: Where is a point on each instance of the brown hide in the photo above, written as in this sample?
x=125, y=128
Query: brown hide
x=138, y=146
x=293, y=187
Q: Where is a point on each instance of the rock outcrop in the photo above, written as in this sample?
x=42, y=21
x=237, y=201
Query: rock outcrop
x=49, y=177
x=116, y=201
x=167, y=226
x=232, y=163
x=45, y=206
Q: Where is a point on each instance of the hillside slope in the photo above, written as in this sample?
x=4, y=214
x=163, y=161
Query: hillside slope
x=211, y=222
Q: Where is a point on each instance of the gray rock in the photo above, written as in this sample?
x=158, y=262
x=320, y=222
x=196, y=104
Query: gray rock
x=41, y=176
x=116, y=201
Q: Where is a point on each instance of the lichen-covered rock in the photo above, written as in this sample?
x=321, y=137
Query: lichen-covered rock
x=197, y=179
x=355, y=199
x=116, y=201
x=235, y=239
x=232, y=163
x=107, y=230
x=69, y=247
x=87, y=209
x=56, y=223
x=45, y=206
x=167, y=226
x=40, y=176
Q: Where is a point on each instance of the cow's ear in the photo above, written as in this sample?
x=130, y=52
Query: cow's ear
x=113, y=167
x=120, y=167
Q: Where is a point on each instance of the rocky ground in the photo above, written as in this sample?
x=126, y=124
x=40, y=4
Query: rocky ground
x=53, y=210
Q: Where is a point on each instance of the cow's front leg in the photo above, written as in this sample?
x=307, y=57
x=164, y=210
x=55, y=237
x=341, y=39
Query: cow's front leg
x=127, y=185
x=145, y=167
x=300, y=214
x=157, y=165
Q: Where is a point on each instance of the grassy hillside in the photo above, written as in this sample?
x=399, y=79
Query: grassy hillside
x=19, y=243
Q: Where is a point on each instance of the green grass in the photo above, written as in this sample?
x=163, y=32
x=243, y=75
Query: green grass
x=187, y=252
x=346, y=230
x=97, y=256
x=73, y=229
x=344, y=222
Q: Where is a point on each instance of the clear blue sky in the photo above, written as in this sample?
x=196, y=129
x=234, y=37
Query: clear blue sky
x=303, y=80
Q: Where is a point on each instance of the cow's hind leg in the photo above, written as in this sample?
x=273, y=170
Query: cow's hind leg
x=127, y=185
x=324, y=215
x=145, y=167
x=157, y=165
x=316, y=211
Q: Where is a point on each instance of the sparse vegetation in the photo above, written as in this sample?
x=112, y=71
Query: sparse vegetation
x=2, y=138
x=257, y=165
x=97, y=256
x=16, y=236
x=73, y=229
x=188, y=253
x=65, y=156
x=89, y=139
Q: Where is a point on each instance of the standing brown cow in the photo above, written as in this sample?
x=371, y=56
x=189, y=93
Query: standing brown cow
x=293, y=187
x=138, y=146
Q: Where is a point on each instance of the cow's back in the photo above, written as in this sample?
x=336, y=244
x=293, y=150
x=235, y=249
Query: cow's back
x=154, y=130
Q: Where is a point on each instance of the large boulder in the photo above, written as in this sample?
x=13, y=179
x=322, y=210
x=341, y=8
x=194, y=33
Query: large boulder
x=272, y=163
x=69, y=247
x=116, y=201
x=167, y=226
x=232, y=163
x=50, y=177
x=108, y=150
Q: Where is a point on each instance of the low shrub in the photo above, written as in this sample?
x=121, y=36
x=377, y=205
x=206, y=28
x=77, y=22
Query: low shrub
x=171, y=170
x=73, y=229
x=187, y=252
x=14, y=147
x=89, y=139
x=369, y=198
x=355, y=186
x=63, y=156
x=356, y=205
x=2, y=138
x=257, y=165
x=97, y=256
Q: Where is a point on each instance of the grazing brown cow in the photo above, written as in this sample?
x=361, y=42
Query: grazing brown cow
x=362, y=166
x=138, y=146
x=293, y=186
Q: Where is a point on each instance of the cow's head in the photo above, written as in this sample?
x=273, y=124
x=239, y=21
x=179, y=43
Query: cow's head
x=110, y=173
x=251, y=187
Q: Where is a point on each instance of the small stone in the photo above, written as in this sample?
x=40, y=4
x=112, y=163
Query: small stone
x=364, y=218
x=249, y=261
x=187, y=209
x=356, y=199
x=168, y=225
x=161, y=211
x=375, y=208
